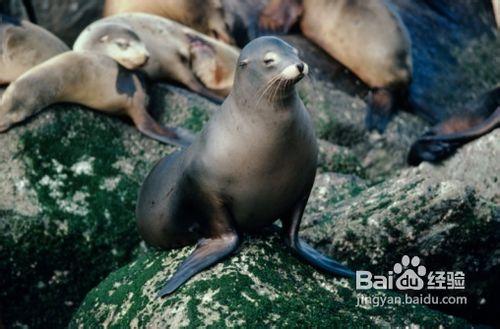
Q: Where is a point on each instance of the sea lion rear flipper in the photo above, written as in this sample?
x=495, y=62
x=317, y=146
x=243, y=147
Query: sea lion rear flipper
x=149, y=127
x=207, y=253
x=380, y=110
x=437, y=146
x=291, y=225
x=279, y=16
x=430, y=151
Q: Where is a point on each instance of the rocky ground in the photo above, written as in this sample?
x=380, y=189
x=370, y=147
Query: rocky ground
x=70, y=251
x=69, y=183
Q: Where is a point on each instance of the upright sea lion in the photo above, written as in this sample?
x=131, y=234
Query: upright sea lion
x=222, y=185
x=90, y=79
x=24, y=45
x=444, y=139
x=366, y=36
x=205, y=16
x=178, y=53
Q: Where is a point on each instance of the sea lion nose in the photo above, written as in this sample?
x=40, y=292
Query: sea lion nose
x=300, y=67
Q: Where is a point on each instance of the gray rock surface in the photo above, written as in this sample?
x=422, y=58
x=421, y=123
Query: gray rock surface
x=449, y=215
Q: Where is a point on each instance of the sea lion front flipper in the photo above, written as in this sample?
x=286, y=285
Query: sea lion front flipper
x=291, y=225
x=380, y=109
x=279, y=16
x=149, y=127
x=207, y=253
x=199, y=88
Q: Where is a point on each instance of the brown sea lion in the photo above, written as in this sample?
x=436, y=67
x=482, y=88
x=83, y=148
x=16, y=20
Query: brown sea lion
x=205, y=16
x=223, y=186
x=481, y=117
x=178, y=53
x=366, y=36
x=90, y=79
x=23, y=45
x=496, y=11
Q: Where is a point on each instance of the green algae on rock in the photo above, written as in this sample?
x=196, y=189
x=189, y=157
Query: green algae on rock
x=261, y=286
x=69, y=183
x=449, y=215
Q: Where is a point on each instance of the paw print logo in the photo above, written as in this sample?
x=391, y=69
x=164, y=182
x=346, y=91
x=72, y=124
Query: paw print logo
x=410, y=273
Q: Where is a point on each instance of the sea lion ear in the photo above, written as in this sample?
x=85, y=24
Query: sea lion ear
x=104, y=38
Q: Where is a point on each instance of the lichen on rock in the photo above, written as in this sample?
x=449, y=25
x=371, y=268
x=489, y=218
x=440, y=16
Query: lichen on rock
x=448, y=214
x=261, y=286
x=69, y=183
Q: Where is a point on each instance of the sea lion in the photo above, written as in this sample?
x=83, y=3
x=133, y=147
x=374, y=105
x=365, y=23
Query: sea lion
x=205, y=16
x=444, y=139
x=23, y=45
x=118, y=42
x=496, y=11
x=366, y=36
x=178, y=53
x=222, y=185
x=90, y=79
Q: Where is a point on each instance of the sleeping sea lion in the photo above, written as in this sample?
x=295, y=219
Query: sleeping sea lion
x=178, y=53
x=444, y=139
x=223, y=185
x=205, y=16
x=90, y=79
x=366, y=36
x=24, y=45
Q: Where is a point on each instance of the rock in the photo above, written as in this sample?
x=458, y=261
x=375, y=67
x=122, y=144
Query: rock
x=338, y=159
x=263, y=285
x=339, y=119
x=329, y=190
x=68, y=185
x=448, y=215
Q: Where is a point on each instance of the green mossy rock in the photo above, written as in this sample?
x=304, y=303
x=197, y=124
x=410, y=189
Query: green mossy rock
x=68, y=186
x=449, y=215
x=261, y=286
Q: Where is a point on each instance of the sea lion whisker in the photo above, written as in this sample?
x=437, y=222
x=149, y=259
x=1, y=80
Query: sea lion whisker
x=267, y=87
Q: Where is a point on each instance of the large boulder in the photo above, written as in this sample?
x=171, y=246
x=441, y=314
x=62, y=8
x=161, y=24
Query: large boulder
x=261, y=286
x=449, y=215
x=68, y=185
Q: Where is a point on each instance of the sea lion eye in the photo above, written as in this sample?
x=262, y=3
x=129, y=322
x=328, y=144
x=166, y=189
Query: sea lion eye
x=243, y=63
x=270, y=58
x=122, y=44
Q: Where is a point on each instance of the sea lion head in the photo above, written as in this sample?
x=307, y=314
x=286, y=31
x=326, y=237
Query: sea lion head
x=268, y=67
x=120, y=43
x=13, y=111
x=210, y=19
